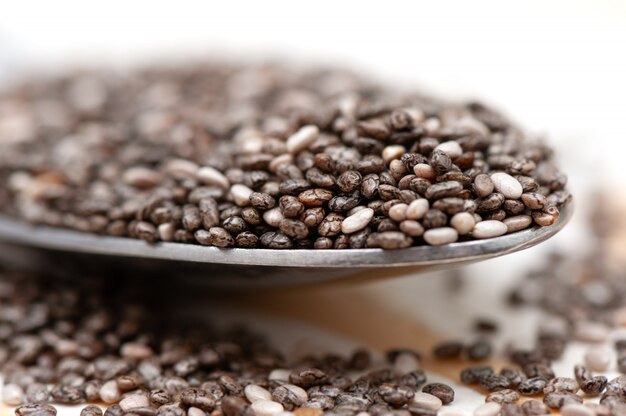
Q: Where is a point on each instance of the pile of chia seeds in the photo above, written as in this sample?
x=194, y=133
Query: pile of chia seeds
x=267, y=157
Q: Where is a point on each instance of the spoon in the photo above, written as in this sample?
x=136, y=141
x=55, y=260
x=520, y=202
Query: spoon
x=50, y=248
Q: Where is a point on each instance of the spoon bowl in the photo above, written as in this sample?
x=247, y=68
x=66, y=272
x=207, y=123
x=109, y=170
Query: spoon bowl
x=57, y=248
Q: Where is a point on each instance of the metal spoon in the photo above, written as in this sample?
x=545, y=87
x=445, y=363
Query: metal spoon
x=245, y=268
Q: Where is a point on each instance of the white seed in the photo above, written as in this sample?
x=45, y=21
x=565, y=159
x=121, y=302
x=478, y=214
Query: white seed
x=241, y=194
x=463, y=222
x=427, y=400
x=506, y=185
x=212, y=176
x=356, y=209
x=251, y=145
x=141, y=177
x=440, y=236
x=576, y=409
x=254, y=392
x=357, y=221
x=489, y=229
x=135, y=351
x=266, y=407
x=394, y=151
x=302, y=139
x=12, y=394
x=133, y=401
x=181, y=168
x=285, y=158
x=416, y=113
x=280, y=374
x=619, y=334
x=472, y=124
x=451, y=148
x=591, y=332
x=18, y=181
x=517, y=223
x=417, y=209
x=432, y=125
x=405, y=362
x=412, y=228
x=194, y=411
x=66, y=347
x=488, y=409
x=599, y=409
x=598, y=359
x=273, y=216
x=109, y=392
x=554, y=325
x=348, y=104
x=398, y=212
x=166, y=231
x=425, y=171
x=450, y=412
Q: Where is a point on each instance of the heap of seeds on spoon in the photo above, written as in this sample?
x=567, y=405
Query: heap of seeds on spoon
x=265, y=156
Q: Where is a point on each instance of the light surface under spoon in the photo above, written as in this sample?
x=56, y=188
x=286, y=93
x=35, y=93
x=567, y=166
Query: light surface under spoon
x=47, y=247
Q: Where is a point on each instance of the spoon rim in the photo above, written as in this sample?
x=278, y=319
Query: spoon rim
x=15, y=231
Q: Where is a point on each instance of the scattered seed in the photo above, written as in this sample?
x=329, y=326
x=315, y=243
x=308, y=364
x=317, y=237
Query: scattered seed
x=479, y=350
x=133, y=401
x=598, y=359
x=473, y=375
x=488, y=409
x=561, y=385
x=91, y=410
x=448, y=350
x=577, y=410
x=441, y=391
x=535, y=408
x=503, y=396
x=511, y=409
x=557, y=400
x=427, y=400
x=36, y=409
x=591, y=332
x=494, y=382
